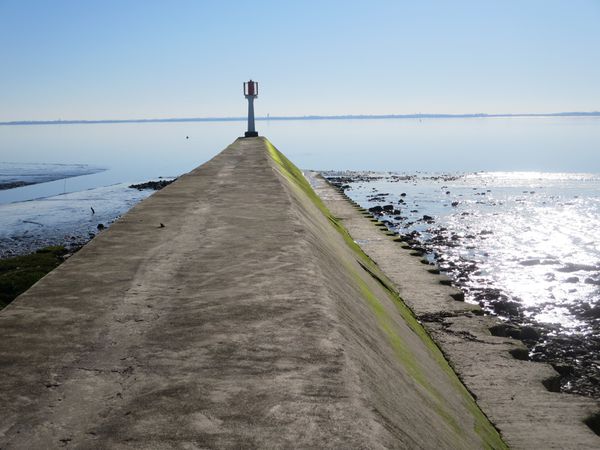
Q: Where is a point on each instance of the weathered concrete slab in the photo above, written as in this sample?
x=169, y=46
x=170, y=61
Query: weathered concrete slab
x=249, y=320
x=510, y=391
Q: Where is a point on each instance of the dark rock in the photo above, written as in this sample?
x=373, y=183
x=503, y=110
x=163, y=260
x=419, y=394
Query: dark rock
x=552, y=384
x=505, y=307
x=154, y=185
x=593, y=312
x=520, y=353
x=506, y=330
x=529, y=333
x=458, y=296
x=100, y=227
x=564, y=369
x=530, y=262
x=570, y=267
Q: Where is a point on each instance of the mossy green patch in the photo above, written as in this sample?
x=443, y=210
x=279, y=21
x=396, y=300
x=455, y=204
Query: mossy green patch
x=488, y=434
x=291, y=172
x=19, y=273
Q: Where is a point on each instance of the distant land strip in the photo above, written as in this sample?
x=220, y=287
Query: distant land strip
x=341, y=117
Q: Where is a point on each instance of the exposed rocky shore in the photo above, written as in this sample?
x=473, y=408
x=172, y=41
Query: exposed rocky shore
x=574, y=351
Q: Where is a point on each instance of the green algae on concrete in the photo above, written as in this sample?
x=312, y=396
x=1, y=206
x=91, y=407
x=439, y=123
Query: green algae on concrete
x=482, y=426
x=298, y=180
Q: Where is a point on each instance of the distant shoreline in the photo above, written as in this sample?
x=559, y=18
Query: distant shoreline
x=312, y=117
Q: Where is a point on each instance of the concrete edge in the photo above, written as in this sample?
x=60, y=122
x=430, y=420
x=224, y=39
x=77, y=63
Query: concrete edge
x=488, y=432
x=518, y=387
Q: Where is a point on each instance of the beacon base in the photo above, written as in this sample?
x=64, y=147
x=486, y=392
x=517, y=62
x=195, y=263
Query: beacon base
x=251, y=134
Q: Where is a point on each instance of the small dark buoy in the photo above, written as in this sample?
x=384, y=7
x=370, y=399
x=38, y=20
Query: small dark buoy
x=162, y=225
x=187, y=137
x=93, y=212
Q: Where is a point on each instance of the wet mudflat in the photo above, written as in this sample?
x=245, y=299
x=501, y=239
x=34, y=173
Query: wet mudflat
x=68, y=220
x=13, y=175
x=522, y=245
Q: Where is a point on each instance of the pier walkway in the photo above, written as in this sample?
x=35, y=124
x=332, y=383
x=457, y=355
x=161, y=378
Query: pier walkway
x=229, y=310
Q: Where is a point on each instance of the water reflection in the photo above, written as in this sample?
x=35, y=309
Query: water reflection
x=522, y=245
x=137, y=152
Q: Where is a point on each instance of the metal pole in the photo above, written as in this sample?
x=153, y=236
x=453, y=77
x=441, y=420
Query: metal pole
x=251, y=130
x=251, y=114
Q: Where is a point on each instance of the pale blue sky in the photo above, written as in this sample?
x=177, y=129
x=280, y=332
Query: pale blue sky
x=146, y=59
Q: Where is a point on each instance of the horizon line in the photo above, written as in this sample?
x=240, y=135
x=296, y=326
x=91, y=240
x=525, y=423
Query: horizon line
x=306, y=117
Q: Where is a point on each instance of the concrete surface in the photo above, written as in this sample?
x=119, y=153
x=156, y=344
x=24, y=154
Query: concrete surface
x=510, y=391
x=250, y=320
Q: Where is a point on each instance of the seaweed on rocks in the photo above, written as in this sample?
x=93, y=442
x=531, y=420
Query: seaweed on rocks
x=19, y=273
x=154, y=185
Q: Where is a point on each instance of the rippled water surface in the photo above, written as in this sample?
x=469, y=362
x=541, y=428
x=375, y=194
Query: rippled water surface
x=523, y=245
x=533, y=235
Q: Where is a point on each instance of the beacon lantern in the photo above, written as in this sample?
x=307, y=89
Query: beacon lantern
x=251, y=92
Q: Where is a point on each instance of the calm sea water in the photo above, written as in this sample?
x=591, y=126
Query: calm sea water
x=137, y=152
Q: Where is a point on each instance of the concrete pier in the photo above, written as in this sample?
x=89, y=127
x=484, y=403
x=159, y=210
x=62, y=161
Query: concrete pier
x=249, y=320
